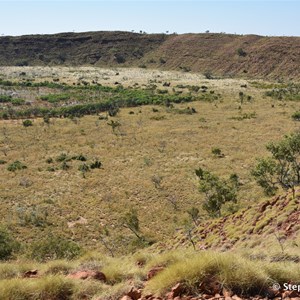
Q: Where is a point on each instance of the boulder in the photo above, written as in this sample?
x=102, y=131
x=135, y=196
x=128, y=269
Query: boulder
x=134, y=293
x=88, y=274
x=154, y=271
x=30, y=274
x=177, y=290
x=125, y=298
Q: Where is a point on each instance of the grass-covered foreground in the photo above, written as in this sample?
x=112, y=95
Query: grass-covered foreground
x=237, y=273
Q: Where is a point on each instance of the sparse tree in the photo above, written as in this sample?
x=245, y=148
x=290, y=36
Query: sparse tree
x=282, y=168
x=104, y=235
x=131, y=221
x=189, y=236
x=216, y=191
x=194, y=214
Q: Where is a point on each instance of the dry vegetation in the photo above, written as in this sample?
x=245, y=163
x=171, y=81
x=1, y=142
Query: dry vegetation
x=148, y=165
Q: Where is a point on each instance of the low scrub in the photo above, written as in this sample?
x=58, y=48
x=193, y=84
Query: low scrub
x=54, y=98
x=54, y=247
x=8, y=245
x=290, y=93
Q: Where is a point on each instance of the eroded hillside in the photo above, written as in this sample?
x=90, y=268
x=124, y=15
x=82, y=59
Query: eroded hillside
x=213, y=54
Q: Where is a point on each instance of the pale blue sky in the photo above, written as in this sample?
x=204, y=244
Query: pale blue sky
x=242, y=17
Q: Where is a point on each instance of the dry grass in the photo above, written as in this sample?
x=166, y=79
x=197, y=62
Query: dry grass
x=170, y=149
x=229, y=269
x=238, y=271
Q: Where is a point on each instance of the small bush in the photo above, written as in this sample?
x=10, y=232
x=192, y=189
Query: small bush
x=296, y=116
x=17, y=165
x=120, y=59
x=5, y=98
x=80, y=157
x=54, y=98
x=217, y=152
x=241, y=52
x=49, y=160
x=27, y=123
x=96, y=164
x=17, y=101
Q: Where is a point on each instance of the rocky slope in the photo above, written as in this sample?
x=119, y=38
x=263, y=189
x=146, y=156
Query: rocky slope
x=272, y=222
x=216, y=54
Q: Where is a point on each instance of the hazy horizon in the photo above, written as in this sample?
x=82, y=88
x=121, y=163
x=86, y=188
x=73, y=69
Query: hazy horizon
x=266, y=18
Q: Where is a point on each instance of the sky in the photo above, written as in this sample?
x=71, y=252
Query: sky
x=271, y=18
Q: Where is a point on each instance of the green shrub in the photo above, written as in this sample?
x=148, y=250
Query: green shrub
x=54, y=247
x=241, y=52
x=120, y=59
x=217, y=192
x=296, y=116
x=282, y=168
x=16, y=165
x=96, y=164
x=49, y=160
x=8, y=245
x=17, y=101
x=5, y=98
x=290, y=92
x=54, y=98
x=217, y=152
x=27, y=123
